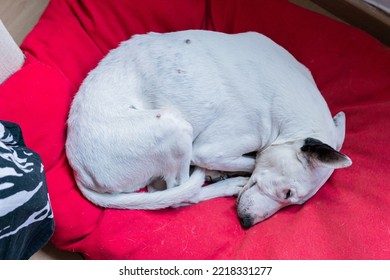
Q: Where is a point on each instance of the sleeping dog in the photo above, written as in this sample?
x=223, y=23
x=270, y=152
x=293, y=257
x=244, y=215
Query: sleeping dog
x=160, y=103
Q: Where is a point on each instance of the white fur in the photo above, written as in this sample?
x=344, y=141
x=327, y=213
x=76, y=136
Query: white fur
x=160, y=102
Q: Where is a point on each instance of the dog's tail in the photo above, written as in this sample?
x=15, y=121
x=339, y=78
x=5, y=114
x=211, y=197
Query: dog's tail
x=149, y=201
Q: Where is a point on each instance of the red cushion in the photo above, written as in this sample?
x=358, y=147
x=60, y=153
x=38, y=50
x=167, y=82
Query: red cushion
x=347, y=219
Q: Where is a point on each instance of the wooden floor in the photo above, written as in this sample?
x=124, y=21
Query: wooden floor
x=19, y=17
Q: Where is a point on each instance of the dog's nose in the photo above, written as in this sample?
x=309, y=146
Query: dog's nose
x=246, y=221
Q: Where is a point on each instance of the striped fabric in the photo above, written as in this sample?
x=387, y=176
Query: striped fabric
x=26, y=218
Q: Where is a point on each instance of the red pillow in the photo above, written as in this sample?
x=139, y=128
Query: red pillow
x=347, y=219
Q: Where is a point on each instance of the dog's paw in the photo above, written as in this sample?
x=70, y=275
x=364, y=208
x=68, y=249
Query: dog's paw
x=224, y=188
x=235, y=185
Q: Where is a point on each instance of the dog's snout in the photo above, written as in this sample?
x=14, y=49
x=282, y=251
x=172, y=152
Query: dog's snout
x=246, y=221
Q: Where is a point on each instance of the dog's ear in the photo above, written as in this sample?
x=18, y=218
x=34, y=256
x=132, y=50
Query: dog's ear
x=323, y=155
x=339, y=122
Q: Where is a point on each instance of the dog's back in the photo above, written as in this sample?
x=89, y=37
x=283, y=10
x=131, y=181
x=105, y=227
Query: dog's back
x=194, y=69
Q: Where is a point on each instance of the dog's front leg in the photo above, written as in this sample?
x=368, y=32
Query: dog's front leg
x=213, y=152
x=229, y=164
x=224, y=188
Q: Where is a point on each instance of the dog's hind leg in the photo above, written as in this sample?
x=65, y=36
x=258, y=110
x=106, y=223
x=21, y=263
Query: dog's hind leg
x=177, y=150
x=157, y=145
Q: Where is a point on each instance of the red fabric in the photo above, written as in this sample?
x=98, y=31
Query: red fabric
x=347, y=219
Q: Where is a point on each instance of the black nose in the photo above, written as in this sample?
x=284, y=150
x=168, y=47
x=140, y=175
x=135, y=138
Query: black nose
x=246, y=221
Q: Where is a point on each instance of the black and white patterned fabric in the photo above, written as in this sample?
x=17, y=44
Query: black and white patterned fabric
x=26, y=218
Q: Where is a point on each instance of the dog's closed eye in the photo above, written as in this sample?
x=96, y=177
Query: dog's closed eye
x=288, y=193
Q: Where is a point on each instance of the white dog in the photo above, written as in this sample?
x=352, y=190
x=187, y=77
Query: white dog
x=162, y=102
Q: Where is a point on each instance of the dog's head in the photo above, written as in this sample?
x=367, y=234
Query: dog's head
x=289, y=173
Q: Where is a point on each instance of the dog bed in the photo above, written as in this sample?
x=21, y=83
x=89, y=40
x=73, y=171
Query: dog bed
x=347, y=219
